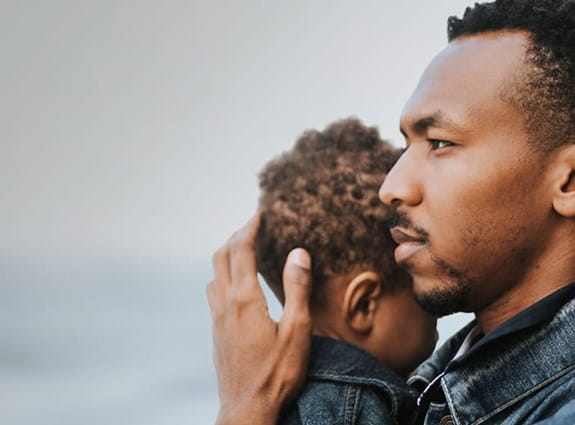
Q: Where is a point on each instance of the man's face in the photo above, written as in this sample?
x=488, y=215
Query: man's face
x=469, y=192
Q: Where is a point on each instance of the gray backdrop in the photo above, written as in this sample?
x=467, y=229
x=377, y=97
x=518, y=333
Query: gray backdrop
x=130, y=136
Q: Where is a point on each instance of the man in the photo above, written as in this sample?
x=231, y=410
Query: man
x=484, y=200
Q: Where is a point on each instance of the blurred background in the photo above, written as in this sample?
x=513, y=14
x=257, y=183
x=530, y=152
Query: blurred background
x=131, y=133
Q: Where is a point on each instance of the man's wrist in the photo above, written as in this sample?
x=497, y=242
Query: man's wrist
x=252, y=413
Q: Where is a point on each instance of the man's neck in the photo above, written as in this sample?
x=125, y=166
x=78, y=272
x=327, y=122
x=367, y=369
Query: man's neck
x=550, y=274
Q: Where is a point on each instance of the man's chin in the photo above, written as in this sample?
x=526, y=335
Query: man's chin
x=446, y=300
x=443, y=290
x=439, y=305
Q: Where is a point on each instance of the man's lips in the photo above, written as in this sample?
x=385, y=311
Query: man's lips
x=407, y=243
x=401, y=235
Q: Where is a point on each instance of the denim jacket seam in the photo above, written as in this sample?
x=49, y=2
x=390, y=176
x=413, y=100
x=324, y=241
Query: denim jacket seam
x=324, y=374
x=449, y=400
x=352, y=397
x=523, y=395
x=390, y=389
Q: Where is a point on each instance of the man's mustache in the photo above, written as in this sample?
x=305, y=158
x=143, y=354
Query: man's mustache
x=399, y=219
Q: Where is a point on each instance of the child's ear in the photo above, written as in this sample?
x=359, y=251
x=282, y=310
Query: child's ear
x=360, y=301
x=563, y=185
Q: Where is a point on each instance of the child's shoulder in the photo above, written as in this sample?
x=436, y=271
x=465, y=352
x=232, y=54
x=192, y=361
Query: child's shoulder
x=338, y=361
x=347, y=385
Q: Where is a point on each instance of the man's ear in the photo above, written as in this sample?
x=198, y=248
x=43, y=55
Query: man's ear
x=360, y=301
x=564, y=183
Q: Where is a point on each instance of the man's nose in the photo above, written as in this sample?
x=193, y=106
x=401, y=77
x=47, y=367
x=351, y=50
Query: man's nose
x=402, y=184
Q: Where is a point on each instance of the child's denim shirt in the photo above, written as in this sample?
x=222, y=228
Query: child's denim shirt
x=346, y=385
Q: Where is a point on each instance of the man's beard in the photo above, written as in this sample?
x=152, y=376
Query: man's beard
x=451, y=297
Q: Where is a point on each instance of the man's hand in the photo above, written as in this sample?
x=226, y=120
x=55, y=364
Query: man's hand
x=261, y=363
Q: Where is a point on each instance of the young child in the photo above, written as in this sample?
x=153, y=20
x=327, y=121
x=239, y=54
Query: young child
x=369, y=333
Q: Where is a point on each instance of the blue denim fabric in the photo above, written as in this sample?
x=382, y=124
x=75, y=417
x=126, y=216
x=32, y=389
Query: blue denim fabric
x=521, y=378
x=564, y=416
x=346, y=385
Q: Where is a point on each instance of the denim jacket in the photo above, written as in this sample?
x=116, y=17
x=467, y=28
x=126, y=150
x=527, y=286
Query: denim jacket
x=346, y=385
x=521, y=377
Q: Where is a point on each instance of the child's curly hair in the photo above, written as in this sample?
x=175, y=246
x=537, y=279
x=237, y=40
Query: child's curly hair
x=323, y=196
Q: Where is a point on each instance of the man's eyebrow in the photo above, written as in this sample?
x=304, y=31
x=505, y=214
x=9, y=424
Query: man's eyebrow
x=437, y=119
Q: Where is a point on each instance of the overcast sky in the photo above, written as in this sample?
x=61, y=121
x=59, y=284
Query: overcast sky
x=135, y=129
x=131, y=133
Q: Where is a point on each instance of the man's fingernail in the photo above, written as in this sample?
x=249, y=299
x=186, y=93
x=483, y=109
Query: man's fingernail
x=300, y=257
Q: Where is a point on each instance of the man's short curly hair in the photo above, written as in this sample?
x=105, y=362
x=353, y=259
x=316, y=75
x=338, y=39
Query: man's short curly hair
x=545, y=92
x=323, y=196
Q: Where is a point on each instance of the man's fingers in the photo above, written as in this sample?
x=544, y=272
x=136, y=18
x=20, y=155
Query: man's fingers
x=297, y=290
x=221, y=266
x=243, y=267
x=214, y=300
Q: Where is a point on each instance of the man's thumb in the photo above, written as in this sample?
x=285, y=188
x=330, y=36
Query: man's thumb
x=297, y=286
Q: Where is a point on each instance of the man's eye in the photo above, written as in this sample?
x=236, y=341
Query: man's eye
x=438, y=144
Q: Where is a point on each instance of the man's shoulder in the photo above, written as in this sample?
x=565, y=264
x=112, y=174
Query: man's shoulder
x=563, y=416
x=557, y=401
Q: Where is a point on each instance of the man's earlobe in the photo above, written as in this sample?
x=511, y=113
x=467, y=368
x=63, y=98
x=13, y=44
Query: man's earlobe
x=564, y=190
x=360, y=301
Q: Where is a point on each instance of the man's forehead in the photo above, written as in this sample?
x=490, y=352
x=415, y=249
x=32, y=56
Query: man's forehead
x=469, y=74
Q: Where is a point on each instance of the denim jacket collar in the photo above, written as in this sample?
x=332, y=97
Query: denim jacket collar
x=440, y=358
x=540, y=312
x=336, y=360
x=494, y=376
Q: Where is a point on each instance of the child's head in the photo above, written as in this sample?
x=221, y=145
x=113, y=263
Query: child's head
x=322, y=196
